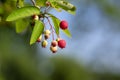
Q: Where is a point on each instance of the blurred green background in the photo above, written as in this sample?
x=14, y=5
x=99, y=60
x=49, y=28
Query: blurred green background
x=20, y=61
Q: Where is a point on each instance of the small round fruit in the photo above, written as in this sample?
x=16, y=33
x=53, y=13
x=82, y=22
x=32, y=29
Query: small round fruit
x=39, y=39
x=44, y=43
x=47, y=32
x=46, y=36
x=48, y=3
x=53, y=49
x=63, y=25
x=35, y=17
x=62, y=43
x=54, y=43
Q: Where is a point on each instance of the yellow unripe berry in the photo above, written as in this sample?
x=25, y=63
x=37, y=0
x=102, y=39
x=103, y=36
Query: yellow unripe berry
x=44, y=43
x=35, y=17
x=54, y=49
x=47, y=32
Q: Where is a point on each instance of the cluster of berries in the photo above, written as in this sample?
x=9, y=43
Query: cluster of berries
x=61, y=43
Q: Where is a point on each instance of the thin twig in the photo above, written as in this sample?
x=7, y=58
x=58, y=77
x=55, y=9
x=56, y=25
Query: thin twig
x=46, y=9
x=33, y=1
x=51, y=27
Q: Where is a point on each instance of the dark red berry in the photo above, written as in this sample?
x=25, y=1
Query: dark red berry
x=63, y=24
x=62, y=43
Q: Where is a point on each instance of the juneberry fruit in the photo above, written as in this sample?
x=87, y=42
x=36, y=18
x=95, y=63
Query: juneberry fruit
x=48, y=3
x=35, y=17
x=39, y=39
x=54, y=43
x=46, y=36
x=44, y=43
x=47, y=32
x=63, y=25
x=62, y=43
x=53, y=49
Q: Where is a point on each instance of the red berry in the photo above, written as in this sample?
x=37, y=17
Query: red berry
x=54, y=43
x=63, y=24
x=62, y=43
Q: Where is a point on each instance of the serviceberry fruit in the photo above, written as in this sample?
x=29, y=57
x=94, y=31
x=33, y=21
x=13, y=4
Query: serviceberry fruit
x=63, y=25
x=54, y=43
x=35, y=17
x=39, y=39
x=48, y=3
x=62, y=43
x=47, y=32
x=44, y=44
x=46, y=36
x=53, y=49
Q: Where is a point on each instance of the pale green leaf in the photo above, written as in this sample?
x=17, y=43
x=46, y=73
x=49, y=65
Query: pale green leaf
x=55, y=6
x=56, y=23
x=41, y=2
x=21, y=3
x=23, y=12
x=70, y=8
x=67, y=32
x=21, y=25
x=37, y=31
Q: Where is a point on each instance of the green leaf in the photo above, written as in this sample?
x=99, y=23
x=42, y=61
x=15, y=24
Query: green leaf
x=21, y=3
x=23, y=12
x=55, y=6
x=21, y=25
x=56, y=23
x=67, y=32
x=70, y=8
x=37, y=31
x=41, y=2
